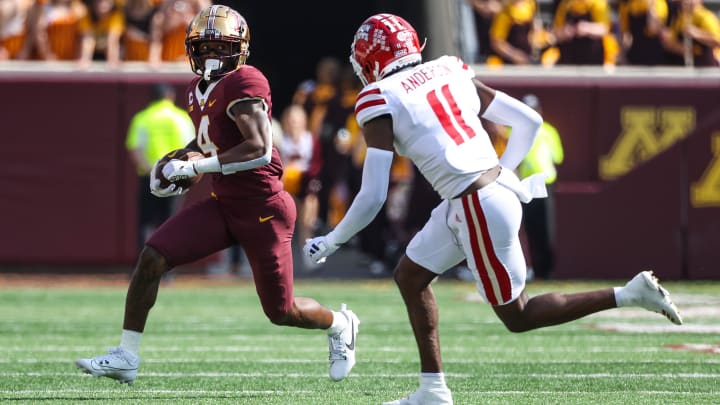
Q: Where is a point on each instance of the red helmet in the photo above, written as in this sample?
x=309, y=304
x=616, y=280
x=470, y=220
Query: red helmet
x=219, y=24
x=383, y=44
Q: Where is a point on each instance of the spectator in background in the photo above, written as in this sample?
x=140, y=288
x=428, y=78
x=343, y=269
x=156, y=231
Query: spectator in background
x=157, y=129
x=296, y=149
x=672, y=58
x=142, y=39
x=101, y=30
x=694, y=35
x=56, y=32
x=512, y=30
x=315, y=95
x=538, y=214
x=484, y=11
x=174, y=18
x=580, y=28
x=322, y=90
x=641, y=23
x=13, y=28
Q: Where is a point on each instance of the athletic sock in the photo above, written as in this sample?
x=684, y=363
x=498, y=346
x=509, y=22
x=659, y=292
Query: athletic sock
x=130, y=341
x=339, y=323
x=432, y=380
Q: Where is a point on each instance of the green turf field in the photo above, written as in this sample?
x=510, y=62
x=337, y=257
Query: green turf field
x=212, y=344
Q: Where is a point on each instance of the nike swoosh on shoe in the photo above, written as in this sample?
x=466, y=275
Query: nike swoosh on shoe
x=351, y=346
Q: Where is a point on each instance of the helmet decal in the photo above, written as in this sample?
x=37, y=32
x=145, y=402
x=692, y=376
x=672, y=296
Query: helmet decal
x=383, y=44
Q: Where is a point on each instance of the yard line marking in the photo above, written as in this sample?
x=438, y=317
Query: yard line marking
x=157, y=391
x=319, y=349
x=465, y=360
x=671, y=393
x=226, y=375
x=608, y=375
x=644, y=328
x=46, y=392
x=383, y=375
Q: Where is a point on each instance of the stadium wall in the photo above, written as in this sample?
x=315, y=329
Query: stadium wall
x=639, y=188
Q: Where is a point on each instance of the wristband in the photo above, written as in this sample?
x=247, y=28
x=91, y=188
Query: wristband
x=207, y=165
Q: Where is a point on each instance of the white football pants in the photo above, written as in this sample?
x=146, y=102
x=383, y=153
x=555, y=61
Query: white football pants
x=483, y=228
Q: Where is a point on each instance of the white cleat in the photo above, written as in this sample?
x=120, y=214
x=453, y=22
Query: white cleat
x=429, y=396
x=645, y=291
x=342, y=347
x=118, y=364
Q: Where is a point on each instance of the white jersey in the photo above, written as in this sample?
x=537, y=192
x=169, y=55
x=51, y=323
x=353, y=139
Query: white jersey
x=434, y=108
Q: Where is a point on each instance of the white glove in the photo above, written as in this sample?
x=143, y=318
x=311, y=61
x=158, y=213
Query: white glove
x=319, y=248
x=171, y=190
x=155, y=189
x=175, y=170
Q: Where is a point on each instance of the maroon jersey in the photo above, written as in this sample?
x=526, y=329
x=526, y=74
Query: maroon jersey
x=217, y=132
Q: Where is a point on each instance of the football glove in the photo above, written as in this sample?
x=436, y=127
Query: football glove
x=319, y=248
x=169, y=191
x=175, y=170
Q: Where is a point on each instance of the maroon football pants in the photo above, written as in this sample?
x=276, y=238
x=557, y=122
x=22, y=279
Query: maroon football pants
x=263, y=227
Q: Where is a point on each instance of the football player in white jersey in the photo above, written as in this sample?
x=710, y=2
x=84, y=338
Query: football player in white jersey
x=430, y=112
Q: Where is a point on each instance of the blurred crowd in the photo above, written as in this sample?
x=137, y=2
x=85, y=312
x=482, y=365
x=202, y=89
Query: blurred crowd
x=596, y=32
x=83, y=31
x=517, y=32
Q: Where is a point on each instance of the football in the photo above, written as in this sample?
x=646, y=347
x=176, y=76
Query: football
x=181, y=154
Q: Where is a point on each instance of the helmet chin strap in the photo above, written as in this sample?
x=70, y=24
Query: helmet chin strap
x=210, y=65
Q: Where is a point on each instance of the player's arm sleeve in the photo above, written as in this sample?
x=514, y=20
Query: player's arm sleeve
x=369, y=200
x=524, y=122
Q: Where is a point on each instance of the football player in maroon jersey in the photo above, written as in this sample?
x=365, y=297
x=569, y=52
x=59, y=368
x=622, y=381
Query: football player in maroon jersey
x=230, y=106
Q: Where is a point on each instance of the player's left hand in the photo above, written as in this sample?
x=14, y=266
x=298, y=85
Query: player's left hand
x=176, y=169
x=319, y=248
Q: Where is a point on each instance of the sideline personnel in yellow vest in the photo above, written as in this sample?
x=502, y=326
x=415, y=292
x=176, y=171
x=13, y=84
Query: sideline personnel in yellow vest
x=538, y=215
x=154, y=131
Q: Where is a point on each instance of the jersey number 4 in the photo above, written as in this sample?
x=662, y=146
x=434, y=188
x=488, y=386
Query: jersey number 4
x=203, y=137
x=452, y=120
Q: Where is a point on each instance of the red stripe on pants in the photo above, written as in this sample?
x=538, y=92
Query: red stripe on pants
x=480, y=241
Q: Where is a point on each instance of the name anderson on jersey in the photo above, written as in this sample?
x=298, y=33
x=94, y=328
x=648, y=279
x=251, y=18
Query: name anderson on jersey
x=424, y=75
